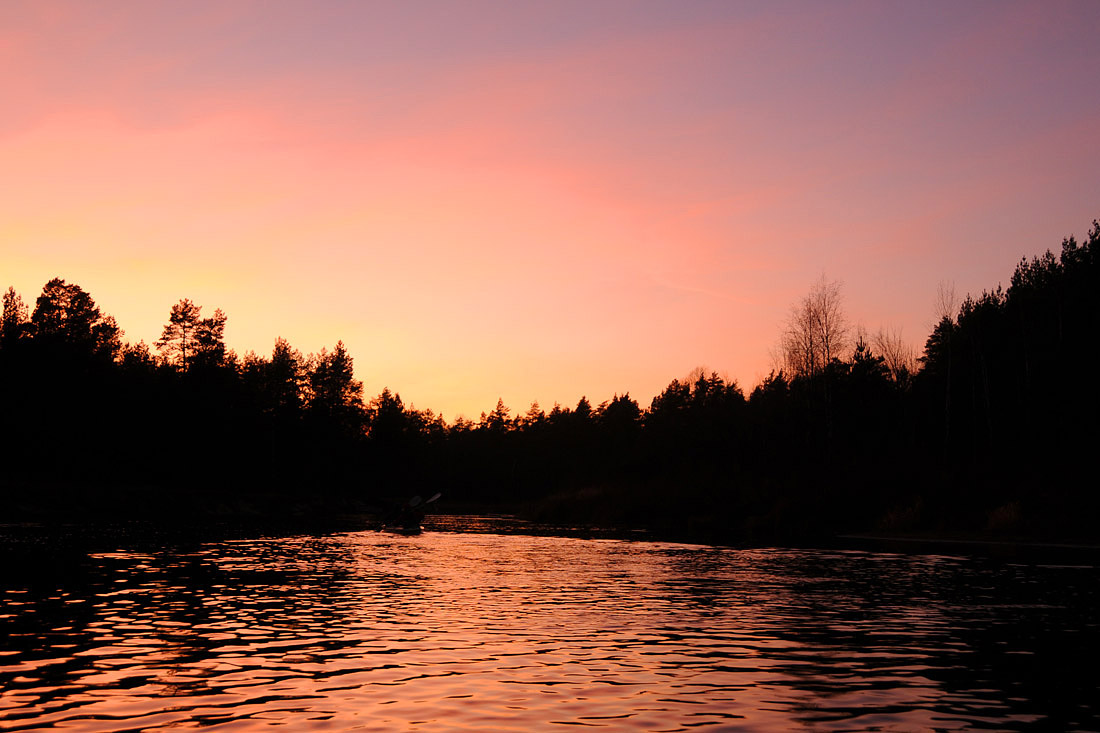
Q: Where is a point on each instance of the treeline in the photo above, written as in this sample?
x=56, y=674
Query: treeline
x=990, y=430
x=89, y=418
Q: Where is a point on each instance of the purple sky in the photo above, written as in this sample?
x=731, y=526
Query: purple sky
x=539, y=201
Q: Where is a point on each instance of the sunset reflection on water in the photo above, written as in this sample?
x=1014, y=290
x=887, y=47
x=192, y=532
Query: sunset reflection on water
x=476, y=632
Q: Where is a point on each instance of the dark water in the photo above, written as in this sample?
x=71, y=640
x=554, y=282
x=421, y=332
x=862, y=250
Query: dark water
x=452, y=631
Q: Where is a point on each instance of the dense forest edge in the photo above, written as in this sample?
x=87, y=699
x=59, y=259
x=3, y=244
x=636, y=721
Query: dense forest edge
x=988, y=433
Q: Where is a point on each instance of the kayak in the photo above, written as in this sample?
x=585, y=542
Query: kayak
x=406, y=519
x=403, y=530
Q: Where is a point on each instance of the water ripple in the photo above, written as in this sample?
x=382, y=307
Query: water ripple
x=468, y=632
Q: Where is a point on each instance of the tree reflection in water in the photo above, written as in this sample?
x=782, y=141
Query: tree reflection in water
x=455, y=631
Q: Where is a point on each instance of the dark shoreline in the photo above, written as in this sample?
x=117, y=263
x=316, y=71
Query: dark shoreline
x=55, y=537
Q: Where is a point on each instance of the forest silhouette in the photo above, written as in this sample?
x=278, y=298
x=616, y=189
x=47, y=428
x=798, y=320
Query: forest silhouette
x=989, y=432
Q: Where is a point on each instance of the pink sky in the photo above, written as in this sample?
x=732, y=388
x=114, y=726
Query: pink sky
x=538, y=201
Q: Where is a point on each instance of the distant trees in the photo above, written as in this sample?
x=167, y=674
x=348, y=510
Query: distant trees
x=279, y=383
x=621, y=414
x=498, y=420
x=136, y=357
x=693, y=421
x=896, y=354
x=66, y=321
x=817, y=330
x=534, y=416
x=700, y=393
x=84, y=409
x=333, y=392
x=210, y=341
x=14, y=322
x=1005, y=398
x=65, y=316
x=190, y=339
x=401, y=434
x=999, y=410
x=284, y=378
x=388, y=416
x=177, y=343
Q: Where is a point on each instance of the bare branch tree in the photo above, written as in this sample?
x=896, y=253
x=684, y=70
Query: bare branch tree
x=947, y=304
x=896, y=352
x=817, y=330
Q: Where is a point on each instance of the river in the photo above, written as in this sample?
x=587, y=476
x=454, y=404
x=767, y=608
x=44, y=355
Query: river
x=480, y=631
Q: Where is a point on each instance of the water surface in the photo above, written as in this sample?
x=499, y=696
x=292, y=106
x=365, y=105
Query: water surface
x=451, y=631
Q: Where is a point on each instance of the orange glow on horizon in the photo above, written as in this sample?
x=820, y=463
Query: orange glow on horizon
x=547, y=208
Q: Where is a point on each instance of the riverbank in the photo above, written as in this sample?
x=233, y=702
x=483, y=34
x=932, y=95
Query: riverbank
x=696, y=515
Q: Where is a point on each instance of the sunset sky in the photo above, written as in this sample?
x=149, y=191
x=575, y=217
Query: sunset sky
x=538, y=201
